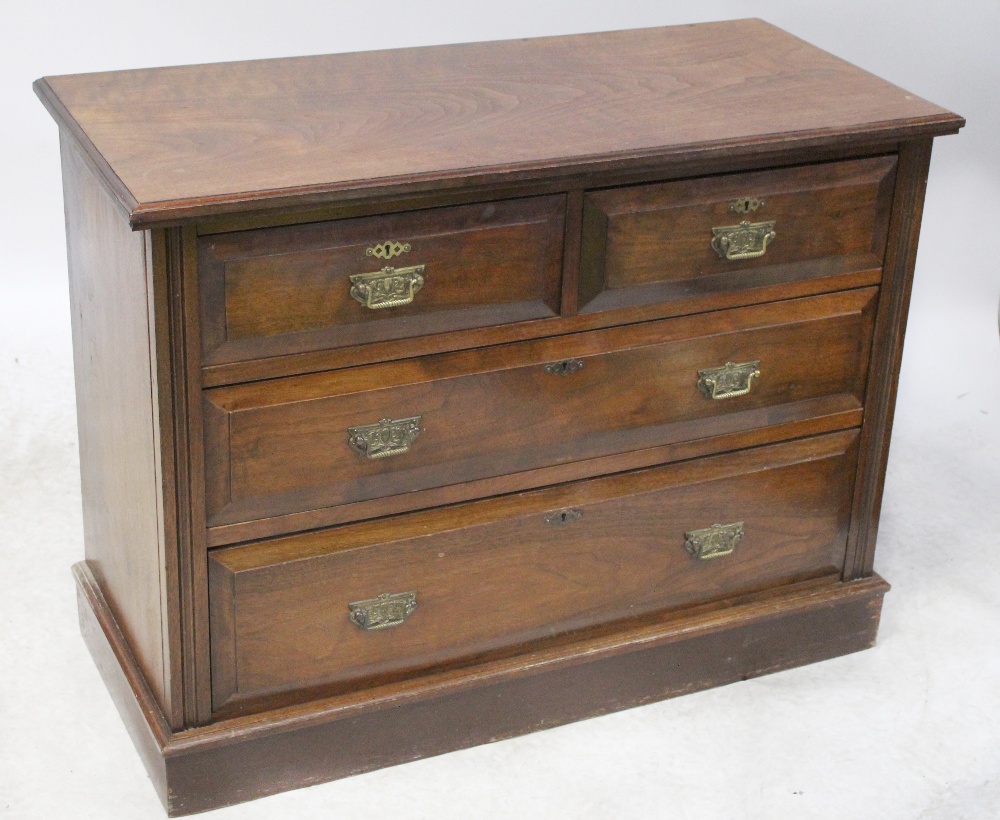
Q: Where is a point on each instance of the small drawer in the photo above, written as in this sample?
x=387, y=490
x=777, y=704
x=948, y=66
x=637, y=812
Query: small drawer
x=714, y=235
x=348, y=608
x=333, y=284
x=291, y=445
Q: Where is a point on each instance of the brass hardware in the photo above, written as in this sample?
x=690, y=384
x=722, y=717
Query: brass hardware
x=387, y=438
x=564, y=517
x=388, y=249
x=729, y=381
x=745, y=205
x=715, y=541
x=748, y=240
x=388, y=609
x=389, y=287
x=564, y=368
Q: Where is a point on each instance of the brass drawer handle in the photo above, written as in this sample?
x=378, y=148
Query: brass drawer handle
x=386, y=438
x=563, y=517
x=564, y=368
x=729, y=381
x=715, y=541
x=388, y=609
x=748, y=240
x=389, y=287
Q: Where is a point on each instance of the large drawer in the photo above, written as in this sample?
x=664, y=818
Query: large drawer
x=304, y=614
x=715, y=235
x=344, y=282
x=284, y=446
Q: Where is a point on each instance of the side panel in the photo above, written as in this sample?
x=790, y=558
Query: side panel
x=886, y=354
x=124, y=518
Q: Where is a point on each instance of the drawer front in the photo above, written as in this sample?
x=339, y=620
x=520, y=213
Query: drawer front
x=485, y=578
x=684, y=240
x=281, y=447
x=352, y=281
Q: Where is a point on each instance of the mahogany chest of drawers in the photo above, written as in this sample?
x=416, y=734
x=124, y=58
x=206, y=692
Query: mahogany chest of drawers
x=433, y=396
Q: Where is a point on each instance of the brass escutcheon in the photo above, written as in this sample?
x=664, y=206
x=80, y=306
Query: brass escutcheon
x=563, y=517
x=564, y=368
x=729, y=381
x=389, y=287
x=745, y=205
x=386, y=438
x=387, y=249
x=715, y=541
x=748, y=240
x=388, y=609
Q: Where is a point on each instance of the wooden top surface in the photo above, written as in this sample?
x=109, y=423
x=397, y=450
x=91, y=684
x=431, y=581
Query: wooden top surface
x=177, y=142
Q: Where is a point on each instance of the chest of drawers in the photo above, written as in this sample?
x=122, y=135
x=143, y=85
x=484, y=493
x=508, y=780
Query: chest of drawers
x=434, y=396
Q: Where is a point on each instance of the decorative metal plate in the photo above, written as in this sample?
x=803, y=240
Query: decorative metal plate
x=389, y=287
x=714, y=541
x=748, y=240
x=388, y=249
x=388, y=609
x=387, y=438
x=745, y=205
x=564, y=368
x=729, y=381
x=564, y=517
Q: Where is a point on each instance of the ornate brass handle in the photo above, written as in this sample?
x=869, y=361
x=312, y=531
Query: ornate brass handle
x=388, y=609
x=748, y=240
x=729, y=381
x=715, y=541
x=386, y=438
x=389, y=287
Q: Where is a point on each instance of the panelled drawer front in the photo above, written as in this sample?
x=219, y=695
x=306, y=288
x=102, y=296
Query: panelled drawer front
x=276, y=448
x=492, y=575
x=289, y=289
x=682, y=240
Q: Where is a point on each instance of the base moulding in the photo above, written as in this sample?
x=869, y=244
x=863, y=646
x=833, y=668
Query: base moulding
x=243, y=758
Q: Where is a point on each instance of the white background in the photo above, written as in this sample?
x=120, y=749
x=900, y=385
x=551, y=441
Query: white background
x=910, y=729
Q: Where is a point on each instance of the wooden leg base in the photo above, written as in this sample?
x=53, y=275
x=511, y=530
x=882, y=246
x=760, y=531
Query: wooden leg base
x=240, y=759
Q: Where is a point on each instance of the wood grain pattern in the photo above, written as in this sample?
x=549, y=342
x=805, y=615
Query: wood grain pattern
x=228, y=522
x=275, y=448
x=765, y=426
x=287, y=290
x=653, y=243
x=121, y=463
x=496, y=575
x=236, y=135
x=887, y=353
x=248, y=757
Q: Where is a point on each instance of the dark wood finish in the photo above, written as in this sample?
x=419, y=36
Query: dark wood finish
x=218, y=372
x=787, y=421
x=279, y=448
x=651, y=170
x=419, y=117
x=652, y=659
x=186, y=311
x=887, y=352
x=571, y=254
x=653, y=243
x=125, y=510
x=496, y=575
x=170, y=465
x=336, y=359
x=287, y=290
